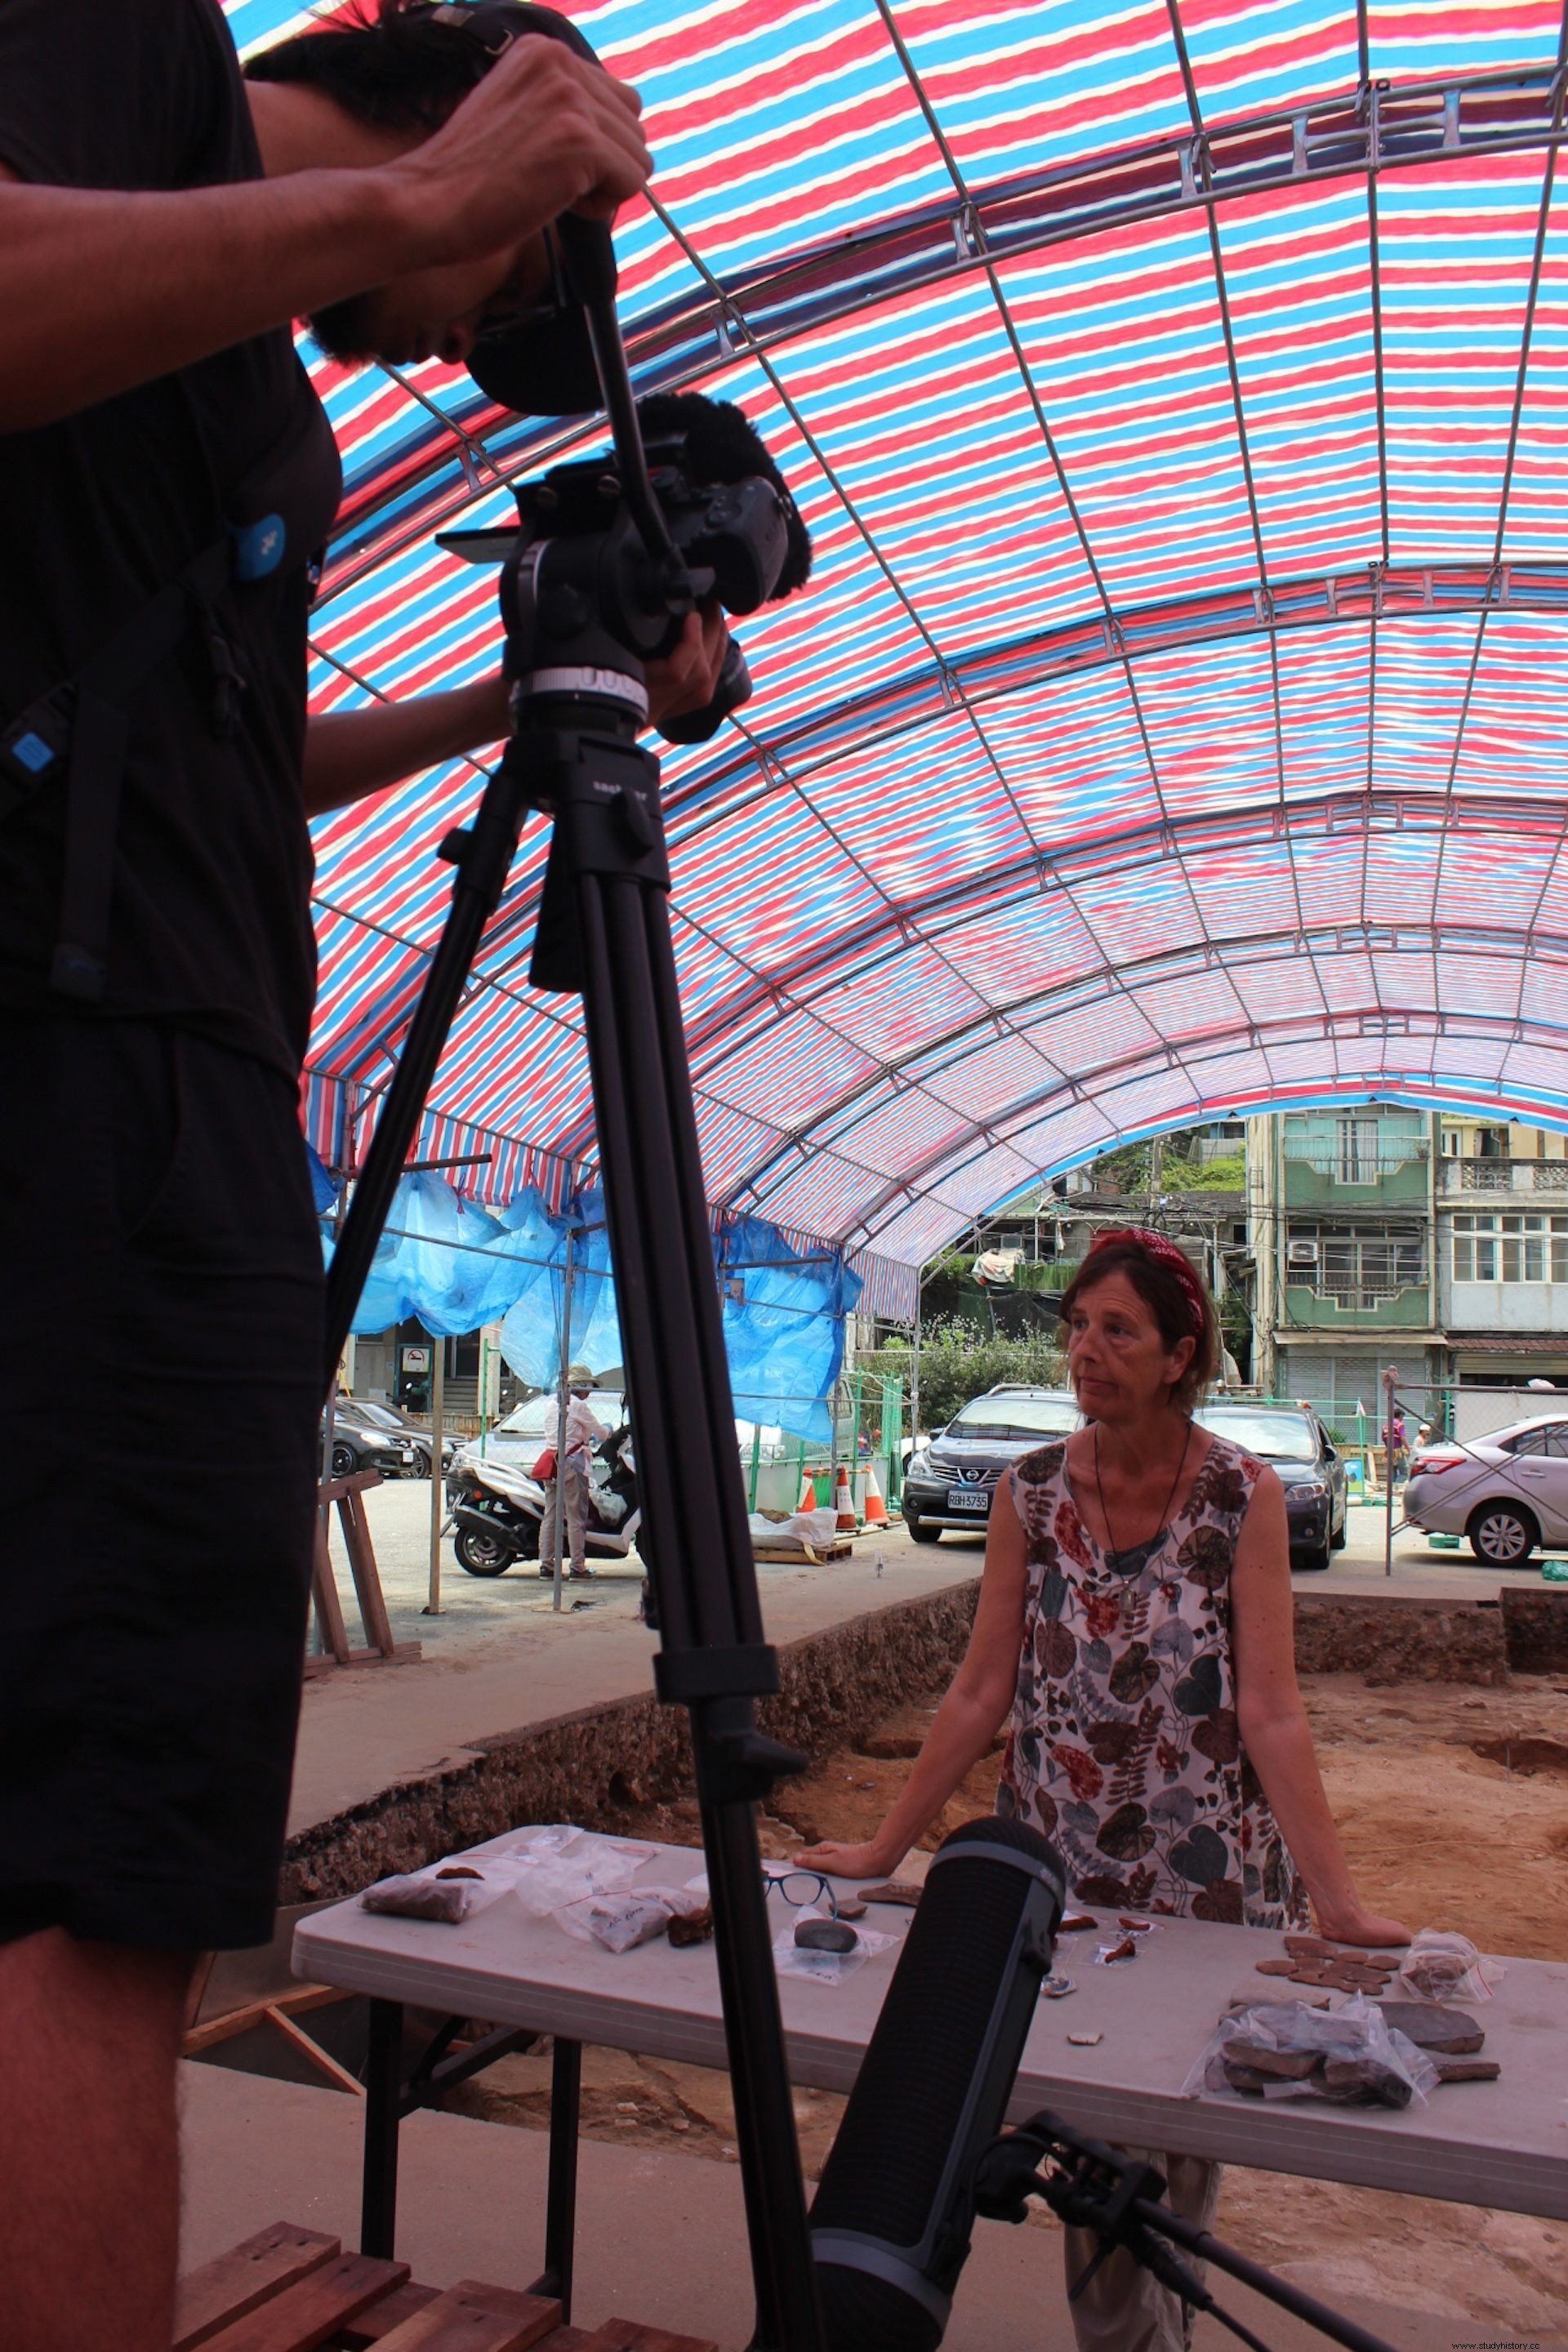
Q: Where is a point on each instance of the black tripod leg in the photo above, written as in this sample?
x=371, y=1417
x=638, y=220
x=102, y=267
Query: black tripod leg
x=695, y=1505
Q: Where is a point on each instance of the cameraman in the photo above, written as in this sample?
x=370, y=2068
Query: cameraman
x=162, y=221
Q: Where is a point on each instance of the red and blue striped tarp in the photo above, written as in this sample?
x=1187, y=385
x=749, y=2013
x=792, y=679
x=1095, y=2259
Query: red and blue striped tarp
x=1178, y=395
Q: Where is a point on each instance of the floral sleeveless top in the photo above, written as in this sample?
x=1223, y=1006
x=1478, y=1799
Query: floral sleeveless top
x=1124, y=1747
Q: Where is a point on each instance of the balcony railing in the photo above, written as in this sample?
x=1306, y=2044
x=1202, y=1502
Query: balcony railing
x=1505, y=1176
x=1354, y=1167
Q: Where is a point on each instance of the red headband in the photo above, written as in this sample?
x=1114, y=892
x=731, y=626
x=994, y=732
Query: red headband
x=1164, y=1252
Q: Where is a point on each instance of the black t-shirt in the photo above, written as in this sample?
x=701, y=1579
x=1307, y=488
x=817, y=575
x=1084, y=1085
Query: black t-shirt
x=210, y=923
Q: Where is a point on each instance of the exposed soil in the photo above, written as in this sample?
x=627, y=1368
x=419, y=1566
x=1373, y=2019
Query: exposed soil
x=1454, y=1810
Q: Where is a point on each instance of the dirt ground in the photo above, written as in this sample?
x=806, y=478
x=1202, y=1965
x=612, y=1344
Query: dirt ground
x=1453, y=1805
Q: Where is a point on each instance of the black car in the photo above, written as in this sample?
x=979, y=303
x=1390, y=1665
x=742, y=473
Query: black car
x=950, y=1480
x=367, y=1436
x=1294, y=1443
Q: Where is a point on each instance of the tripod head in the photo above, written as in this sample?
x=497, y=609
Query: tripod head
x=611, y=553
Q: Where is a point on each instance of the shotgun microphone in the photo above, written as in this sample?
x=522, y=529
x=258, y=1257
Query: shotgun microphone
x=891, y=2220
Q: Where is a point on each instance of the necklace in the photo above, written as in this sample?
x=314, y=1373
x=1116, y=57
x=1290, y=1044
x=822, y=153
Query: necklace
x=1132, y=1562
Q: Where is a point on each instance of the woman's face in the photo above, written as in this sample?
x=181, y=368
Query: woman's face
x=1118, y=1362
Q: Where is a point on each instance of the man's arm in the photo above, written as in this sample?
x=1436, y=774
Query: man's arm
x=102, y=291
x=349, y=754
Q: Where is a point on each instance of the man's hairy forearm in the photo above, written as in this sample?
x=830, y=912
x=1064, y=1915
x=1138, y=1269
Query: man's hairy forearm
x=103, y=291
x=351, y=753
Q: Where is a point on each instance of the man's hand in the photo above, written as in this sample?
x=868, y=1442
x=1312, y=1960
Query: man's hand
x=687, y=678
x=544, y=132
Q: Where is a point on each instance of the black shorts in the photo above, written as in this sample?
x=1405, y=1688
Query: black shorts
x=161, y=1387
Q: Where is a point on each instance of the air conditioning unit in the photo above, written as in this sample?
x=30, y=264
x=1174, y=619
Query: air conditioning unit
x=1301, y=1252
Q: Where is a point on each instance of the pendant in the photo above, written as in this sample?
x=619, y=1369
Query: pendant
x=1130, y=1605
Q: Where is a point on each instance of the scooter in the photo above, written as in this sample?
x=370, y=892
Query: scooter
x=497, y=1511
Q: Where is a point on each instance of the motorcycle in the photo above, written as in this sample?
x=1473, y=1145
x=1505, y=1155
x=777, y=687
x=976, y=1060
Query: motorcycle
x=497, y=1511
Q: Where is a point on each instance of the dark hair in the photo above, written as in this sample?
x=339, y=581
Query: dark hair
x=1169, y=1301
x=722, y=445
x=402, y=64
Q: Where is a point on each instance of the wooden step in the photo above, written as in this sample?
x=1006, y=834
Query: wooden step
x=290, y=2289
x=226, y=2290
x=472, y=2317
x=314, y=2311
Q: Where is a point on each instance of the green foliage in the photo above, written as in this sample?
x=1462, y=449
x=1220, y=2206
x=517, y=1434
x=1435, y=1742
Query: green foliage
x=1226, y=1175
x=955, y=1366
x=1128, y=1169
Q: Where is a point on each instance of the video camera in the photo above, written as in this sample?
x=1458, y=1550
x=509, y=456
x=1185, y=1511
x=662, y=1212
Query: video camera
x=585, y=603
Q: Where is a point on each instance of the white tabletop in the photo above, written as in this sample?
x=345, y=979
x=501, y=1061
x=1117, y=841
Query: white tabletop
x=1504, y=2143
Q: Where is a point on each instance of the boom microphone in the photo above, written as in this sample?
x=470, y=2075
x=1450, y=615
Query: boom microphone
x=891, y=2220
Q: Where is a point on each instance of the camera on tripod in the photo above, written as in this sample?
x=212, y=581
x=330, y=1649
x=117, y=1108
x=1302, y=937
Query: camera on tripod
x=587, y=601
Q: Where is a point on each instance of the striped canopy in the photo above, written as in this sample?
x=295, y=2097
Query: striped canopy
x=1177, y=396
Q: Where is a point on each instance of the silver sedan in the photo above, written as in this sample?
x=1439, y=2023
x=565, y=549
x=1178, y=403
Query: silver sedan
x=1508, y=1491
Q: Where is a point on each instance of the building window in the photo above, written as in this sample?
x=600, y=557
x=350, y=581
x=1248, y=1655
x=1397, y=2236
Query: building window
x=1358, y=1161
x=1358, y=1266
x=1511, y=1248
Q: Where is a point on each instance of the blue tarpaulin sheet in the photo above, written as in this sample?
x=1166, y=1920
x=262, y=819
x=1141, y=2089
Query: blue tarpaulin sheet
x=453, y=1266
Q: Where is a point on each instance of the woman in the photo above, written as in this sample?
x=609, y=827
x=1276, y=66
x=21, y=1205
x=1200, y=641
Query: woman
x=1135, y=1620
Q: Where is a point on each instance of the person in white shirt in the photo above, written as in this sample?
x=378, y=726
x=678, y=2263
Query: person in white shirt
x=583, y=1431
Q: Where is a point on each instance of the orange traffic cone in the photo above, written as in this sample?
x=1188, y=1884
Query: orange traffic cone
x=843, y=1502
x=876, y=1509
x=807, y=1492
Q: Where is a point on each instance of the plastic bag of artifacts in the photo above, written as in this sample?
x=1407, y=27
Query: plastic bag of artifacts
x=1285, y=2050
x=1439, y=1966
x=558, y=1865
x=792, y=1959
x=634, y=1916
x=449, y=1892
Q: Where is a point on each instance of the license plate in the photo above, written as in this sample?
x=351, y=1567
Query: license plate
x=967, y=1498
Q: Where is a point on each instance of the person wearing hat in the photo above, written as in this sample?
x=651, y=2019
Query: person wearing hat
x=1134, y=1632
x=573, y=1462
x=169, y=480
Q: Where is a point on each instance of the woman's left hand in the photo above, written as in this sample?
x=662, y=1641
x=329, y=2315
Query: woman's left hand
x=1352, y=1924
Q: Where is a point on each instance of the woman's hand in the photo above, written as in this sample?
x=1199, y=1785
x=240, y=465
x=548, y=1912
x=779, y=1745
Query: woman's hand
x=847, y=1861
x=1351, y=1923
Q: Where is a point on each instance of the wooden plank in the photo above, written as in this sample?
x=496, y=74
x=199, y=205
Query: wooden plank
x=473, y=2317
x=320, y=2060
x=214, y=2029
x=365, y=1574
x=358, y=1483
x=236, y=2283
x=389, y=2312
x=308, y=2315
x=566, y=2339
x=629, y=2335
x=324, y=1593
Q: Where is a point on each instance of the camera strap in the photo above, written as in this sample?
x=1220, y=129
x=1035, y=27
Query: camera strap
x=76, y=735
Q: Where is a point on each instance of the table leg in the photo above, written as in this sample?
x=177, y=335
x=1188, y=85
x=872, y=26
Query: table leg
x=561, y=2202
x=382, y=2107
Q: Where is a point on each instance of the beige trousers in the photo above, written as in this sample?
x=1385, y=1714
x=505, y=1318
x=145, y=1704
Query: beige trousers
x=576, y=1517
x=1124, y=2308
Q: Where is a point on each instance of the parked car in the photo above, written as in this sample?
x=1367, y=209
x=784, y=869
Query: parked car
x=365, y=1445
x=354, y=1414
x=1508, y=1491
x=1299, y=1448
x=950, y=1480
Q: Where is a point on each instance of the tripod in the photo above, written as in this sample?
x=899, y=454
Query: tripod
x=604, y=930
x=1091, y=2187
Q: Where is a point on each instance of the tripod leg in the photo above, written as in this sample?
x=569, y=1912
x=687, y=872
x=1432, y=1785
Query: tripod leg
x=694, y=1501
